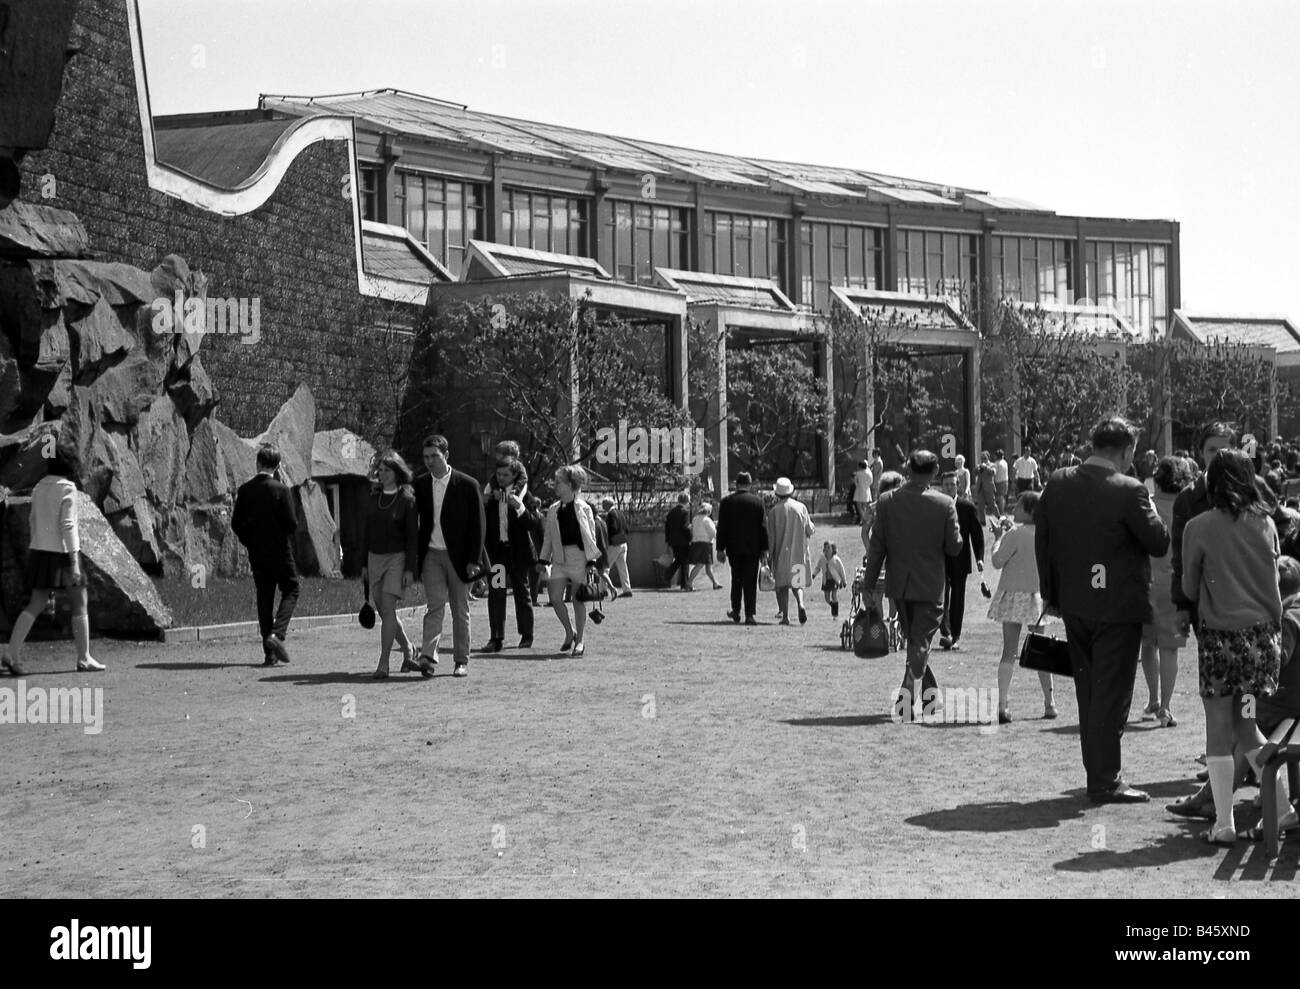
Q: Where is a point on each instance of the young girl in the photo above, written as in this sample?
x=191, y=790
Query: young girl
x=701, y=553
x=1017, y=601
x=831, y=567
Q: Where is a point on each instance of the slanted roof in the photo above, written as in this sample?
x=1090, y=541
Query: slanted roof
x=454, y=123
x=908, y=312
x=391, y=252
x=224, y=155
x=1096, y=321
x=487, y=260
x=1277, y=332
x=731, y=290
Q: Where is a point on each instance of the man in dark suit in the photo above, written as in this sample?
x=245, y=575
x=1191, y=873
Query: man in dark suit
x=677, y=533
x=959, y=567
x=449, y=505
x=509, y=547
x=264, y=520
x=916, y=531
x=1096, y=530
x=742, y=536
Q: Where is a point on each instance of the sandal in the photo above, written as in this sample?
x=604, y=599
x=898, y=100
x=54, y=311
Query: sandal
x=1165, y=719
x=381, y=673
x=1223, y=836
x=1150, y=709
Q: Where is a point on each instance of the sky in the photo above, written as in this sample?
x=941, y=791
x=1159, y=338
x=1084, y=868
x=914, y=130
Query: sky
x=1186, y=110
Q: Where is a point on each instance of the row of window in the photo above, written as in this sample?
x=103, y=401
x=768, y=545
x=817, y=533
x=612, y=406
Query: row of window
x=636, y=238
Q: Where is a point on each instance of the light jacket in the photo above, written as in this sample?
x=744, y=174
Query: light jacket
x=553, y=547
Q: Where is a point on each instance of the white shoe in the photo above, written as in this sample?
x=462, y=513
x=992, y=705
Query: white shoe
x=90, y=665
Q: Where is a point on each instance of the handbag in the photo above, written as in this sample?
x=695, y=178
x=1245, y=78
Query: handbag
x=366, y=616
x=1046, y=653
x=870, y=634
x=766, y=582
x=665, y=560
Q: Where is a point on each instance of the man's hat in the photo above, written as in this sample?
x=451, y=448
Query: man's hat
x=784, y=486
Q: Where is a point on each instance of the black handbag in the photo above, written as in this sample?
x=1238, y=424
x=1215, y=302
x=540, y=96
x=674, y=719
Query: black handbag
x=1046, y=653
x=366, y=616
x=870, y=635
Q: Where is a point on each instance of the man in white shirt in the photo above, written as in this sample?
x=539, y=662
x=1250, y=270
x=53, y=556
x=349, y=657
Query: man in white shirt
x=877, y=468
x=1000, y=474
x=862, y=494
x=1026, y=471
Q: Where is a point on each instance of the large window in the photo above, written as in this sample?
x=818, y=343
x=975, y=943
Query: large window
x=1033, y=269
x=544, y=222
x=369, y=191
x=638, y=237
x=443, y=214
x=1133, y=279
x=939, y=263
x=835, y=254
x=749, y=246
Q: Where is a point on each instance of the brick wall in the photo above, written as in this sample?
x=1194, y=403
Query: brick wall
x=295, y=253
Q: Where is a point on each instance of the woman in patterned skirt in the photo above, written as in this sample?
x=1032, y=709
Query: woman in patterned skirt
x=1230, y=570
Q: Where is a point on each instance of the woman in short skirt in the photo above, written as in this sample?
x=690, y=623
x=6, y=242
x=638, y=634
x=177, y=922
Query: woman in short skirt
x=54, y=564
x=703, y=531
x=1017, y=602
x=569, y=548
x=1230, y=571
x=390, y=538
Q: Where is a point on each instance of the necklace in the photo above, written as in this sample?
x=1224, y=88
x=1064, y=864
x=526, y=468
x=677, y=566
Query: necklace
x=382, y=506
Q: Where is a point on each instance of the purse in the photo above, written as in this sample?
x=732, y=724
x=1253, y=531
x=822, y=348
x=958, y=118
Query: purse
x=1046, y=653
x=870, y=634
x=366, y=616
x=766, y=582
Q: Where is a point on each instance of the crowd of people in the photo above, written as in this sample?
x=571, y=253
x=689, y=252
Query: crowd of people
x=1132, y=554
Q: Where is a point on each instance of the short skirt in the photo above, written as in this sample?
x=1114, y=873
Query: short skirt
x=49, y=571
x=1019, y=607
x=1242, y=661
x=571, y=567
x=385, y=571
x=701, y=552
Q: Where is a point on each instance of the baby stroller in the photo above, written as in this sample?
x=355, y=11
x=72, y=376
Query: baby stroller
x=868, y=608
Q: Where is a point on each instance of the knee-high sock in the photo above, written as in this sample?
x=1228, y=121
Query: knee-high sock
x=1220, y=772
x=81, y=636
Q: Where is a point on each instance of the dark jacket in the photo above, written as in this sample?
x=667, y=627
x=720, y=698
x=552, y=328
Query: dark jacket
x=1092, y=517
x=677, y=527
x=972, y=539
x=265, y=521
x=916, y=530
x=518, y=551
x=1191, y=502
x=616, y=526
x=741, y=531
x=463, y=521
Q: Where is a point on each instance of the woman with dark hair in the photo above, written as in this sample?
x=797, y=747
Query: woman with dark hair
x=570, y=548
x=1162, y=639
x=1230, y=573
x=390, y=541
x=54, y=564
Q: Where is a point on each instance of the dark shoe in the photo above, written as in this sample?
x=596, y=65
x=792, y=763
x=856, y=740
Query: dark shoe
x=493, y=645
x=381, y=673
x=784, y=620
x=427, y=663
x=626, y=594
x=751, y=620
x=275, y=647
x=269, y=661
x=1120, y=795
x=410, y=666
x=1196, y=807
x=835, y=610
x=526, y=642
x=568, y=643
x=803, y=617
x=945, y=642
x=1004, y=717
x=1203, y=776
x=734, y=616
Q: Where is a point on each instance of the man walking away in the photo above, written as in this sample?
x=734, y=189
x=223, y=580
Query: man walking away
x=616, y=524
x=742, y=536
x=264, y=520
x=916, y=530
x=862, y=498
x=677, y=533
x=1000, y=474
x=958, y=567
x=1095, y=532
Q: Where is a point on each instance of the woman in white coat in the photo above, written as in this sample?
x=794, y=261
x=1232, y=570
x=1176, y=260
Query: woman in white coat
x=569, y=546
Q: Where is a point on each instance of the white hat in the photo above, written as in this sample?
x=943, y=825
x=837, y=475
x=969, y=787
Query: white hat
x=783, y=487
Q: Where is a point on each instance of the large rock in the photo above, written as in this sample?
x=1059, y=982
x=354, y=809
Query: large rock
x=102, y=332
x=162, y=446
x=123, y=391
x=316, y=551
x=193, y=393
x=87, y=282
x=28, y=230
x=134, y=526
x=206, y=481
x=23, y=455
x=122, y=597
x=238, y=454
x=341, y=453
x=126, y=485
x=293, y=431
